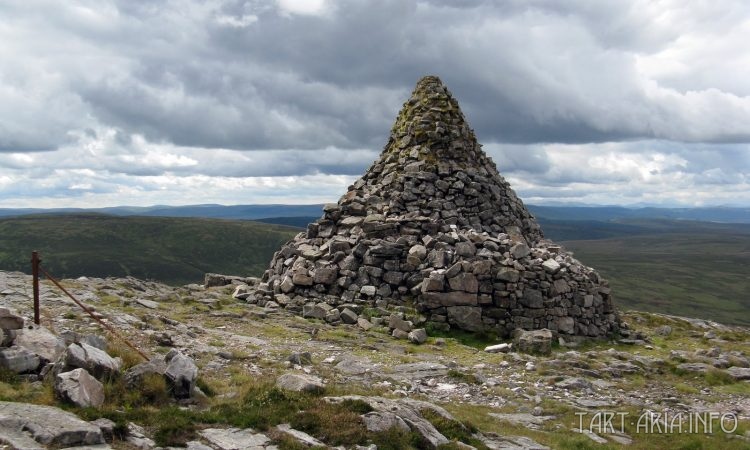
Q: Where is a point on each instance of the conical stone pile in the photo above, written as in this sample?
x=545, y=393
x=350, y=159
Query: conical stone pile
x=433, y=224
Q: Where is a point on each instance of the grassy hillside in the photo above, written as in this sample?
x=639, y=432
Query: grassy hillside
x=690, y=269
x=695, y=269
x=172, y=250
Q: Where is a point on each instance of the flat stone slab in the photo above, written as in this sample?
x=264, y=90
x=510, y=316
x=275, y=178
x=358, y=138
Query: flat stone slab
x=49, y=426
x=237, y=439
x=418, y=370
x=352, y=366
x=300, y=436
x=17, y=439
x=150, y=304
x=524, y=419
x=739, y=373
x=497, y=442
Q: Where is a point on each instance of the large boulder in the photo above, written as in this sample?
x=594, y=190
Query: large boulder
x=535, y=342
x=19, y=360
x=300, y=383
x=135, y=375
x=40, y=341
x=10, y=320
x=181, y=374
x=95, y=361
x=49, y=426
x=79, y=388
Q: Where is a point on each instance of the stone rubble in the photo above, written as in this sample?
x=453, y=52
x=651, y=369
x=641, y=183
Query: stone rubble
x=432, y=222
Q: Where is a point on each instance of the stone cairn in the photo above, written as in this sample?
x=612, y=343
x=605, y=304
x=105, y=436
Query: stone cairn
x=432, y=224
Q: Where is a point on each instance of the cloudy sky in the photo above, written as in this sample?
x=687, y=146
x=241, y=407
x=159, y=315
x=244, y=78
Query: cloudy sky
x=129, y=102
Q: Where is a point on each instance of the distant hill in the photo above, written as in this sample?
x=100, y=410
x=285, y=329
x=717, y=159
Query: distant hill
x=250, y=212
x=172, y=250
x=254, y=212
x=689, y=268
x=610, y=213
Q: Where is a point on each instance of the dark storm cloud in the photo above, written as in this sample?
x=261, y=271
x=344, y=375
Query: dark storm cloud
x=231, y=88
x=524, y=72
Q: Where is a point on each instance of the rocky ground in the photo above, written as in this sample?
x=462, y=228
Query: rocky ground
x=271, y=379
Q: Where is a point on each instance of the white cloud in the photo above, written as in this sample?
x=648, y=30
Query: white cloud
x=237, y=22
x=624, y=102
x=305, y=7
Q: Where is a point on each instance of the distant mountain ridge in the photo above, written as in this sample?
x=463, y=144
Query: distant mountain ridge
x=254, y=212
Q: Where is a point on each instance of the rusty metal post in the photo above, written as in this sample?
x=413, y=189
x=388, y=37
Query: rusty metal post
x=35, y=273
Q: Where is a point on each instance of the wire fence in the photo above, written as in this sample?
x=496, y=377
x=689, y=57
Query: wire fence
x=36, y=268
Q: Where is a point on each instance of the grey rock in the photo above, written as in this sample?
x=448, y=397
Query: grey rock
x=150, y=304
x=398, y=323
x=40, y=341
x=524, y=419
x=215, y=279
x=333, y=315
x=95, y=361
x=300, y=358
x=438, y=299
x=380, y=421
x=508, y=274
x=418, y=336
x=534, y=342
x=739, y=373
x=399, y=334
x=348, y=316
x=352, y=366
x=695, y=367
x=235, y=439
x=134, y=376
x=532, y=298
x=94, y=341
x=10, y=320
x=419, y=251
x=49, y=426
x=300, y=436
x=106, y=426
x=364, y=323
x=300, y=383
x=520, y=250
x=574, y=383
x=408, y=411
x=368, y=291
x=418, y=370
x=566, y=325
x=551, y=266
x=79, y=388
x=287, y=285
x=136, y=438
x=466, y=317
x=197, y=445
x=496, y=442
x=498, y=348
x=241, y=292
x=181, y=374
x=19, y=360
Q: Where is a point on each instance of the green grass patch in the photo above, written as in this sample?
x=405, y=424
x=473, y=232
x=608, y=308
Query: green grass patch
x=463, y=377
x=716, y=377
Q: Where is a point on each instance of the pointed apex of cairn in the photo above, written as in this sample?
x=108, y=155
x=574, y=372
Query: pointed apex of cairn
x=433, y=224
x=431, y=118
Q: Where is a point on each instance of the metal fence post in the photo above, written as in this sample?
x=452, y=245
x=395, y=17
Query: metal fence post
x=35, y=273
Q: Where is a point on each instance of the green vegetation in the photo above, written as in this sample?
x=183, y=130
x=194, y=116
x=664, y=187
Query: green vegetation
x=688, y=269
x=171, y=250
x=694, y=269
